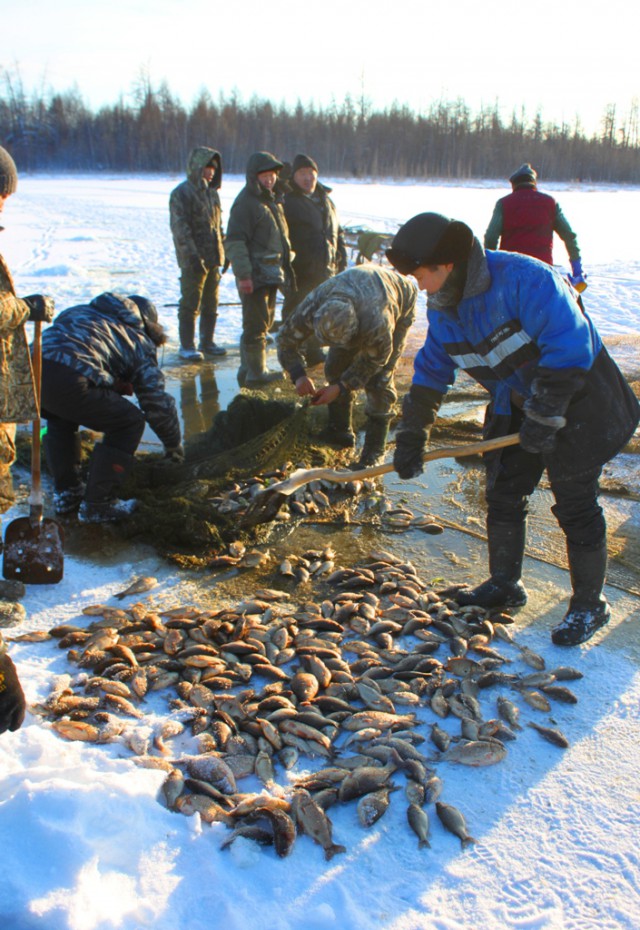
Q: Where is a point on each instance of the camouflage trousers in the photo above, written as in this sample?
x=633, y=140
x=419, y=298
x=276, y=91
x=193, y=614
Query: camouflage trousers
x=380, y=390
x=7, y=458
x=198, y=298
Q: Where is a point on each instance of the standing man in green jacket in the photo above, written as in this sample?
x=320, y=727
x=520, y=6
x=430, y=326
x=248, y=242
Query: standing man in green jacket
x=316, y=237
x=196, y=225
x=258, y=248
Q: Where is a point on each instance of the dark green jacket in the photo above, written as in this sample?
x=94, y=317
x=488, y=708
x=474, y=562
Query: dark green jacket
x=316, y=237
x=257, y=242
x=196, y=215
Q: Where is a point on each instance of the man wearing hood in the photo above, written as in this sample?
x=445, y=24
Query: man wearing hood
x=92, y=357
x=363, y=315
x=196, y=224
x=525, y=221
x=514, y=324
x=259, y=250
x=317, y=239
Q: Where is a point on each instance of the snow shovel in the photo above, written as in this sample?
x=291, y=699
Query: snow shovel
x=33, y=546
x=268, y=502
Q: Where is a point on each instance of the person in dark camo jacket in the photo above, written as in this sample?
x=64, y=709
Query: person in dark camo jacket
x=363, y=315
x=259, y=250
x=196, y=225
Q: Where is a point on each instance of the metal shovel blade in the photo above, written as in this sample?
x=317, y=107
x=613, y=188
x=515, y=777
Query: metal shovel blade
x=33, y=552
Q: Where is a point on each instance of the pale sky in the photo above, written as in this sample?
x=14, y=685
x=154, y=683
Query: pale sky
x=567, y=58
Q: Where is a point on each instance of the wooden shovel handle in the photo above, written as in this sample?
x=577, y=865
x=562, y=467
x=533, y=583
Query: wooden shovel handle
x=448, y=452
x=35, y=497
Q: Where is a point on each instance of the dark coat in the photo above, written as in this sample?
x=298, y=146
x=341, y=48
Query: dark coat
x=196, y=215
x=257, y=242
x=316, y=237
x=106, y=341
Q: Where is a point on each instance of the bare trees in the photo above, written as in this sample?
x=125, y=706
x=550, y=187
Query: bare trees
x=153, y=131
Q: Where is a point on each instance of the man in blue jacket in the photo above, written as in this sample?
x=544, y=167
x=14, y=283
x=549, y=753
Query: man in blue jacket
x=515, y=326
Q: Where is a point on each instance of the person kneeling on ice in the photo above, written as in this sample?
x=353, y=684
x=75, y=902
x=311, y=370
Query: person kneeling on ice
x=514, y=325
x=92, y=355
x=363, y=315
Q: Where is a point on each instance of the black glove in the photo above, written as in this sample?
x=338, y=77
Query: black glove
x=42, y=308
x=419, y=409
x=539, y=437
x=174, y=455
x=226, y=265
x=407, y=458
x=12, y=702
x=197, y=265
x=552, y=392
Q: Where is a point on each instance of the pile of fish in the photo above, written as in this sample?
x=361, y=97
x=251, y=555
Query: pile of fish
x=342, y=698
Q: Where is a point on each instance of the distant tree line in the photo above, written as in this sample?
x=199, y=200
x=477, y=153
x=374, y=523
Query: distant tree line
x=153, y=132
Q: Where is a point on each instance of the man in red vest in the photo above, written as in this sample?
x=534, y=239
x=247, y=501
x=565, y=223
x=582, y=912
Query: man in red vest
x=525, y=221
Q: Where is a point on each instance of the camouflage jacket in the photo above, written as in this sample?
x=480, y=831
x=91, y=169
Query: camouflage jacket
x=385, y=307
x=196, y=215
x=17, y=391
x=107, y=343
x=257, y=241
x=316, y=237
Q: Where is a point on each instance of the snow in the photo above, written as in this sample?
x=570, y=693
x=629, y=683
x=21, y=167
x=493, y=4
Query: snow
x=87, y=846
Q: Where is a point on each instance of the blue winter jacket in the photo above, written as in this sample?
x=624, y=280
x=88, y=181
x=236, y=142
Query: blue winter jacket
x=106, y=341
x=518, y=315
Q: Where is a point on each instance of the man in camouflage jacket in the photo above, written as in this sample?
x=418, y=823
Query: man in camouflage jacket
x=363, y=315
x=258, y=248
x=196, y=225
x=93, y=356
x=17, y=391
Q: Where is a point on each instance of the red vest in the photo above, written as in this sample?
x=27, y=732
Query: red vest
x=527, y=223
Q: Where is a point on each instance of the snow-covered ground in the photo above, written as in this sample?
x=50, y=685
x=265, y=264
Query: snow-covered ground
x=87, y=846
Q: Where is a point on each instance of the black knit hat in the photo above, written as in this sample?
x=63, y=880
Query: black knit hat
x=303, y=161
x=524, y=175
x=147, y=309
x=429, y=239
x=8, y=174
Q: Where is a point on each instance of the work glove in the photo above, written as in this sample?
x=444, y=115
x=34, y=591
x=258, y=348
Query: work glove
x=41, y=308
x=174, y=455
x=577, y=277
x=419, y=409
x=409, y=451
x=540, y=437
x=197, y=265
x=552, y=390
x=12, y=702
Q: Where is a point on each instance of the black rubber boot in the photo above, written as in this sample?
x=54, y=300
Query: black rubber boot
x=339, y=433
x=207, y=328
x=187, y=334
x=63, y=454
x=503, y=588
x=375, y=442
x=588, y=609
x=257, y=372
x=108, y=470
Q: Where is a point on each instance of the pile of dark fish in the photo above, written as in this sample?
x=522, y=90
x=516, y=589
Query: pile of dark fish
x=348, y=679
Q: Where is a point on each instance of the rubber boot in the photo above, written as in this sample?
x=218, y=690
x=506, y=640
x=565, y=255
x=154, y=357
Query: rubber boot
x=503, y=588
x=339, y=433
x=257, y=372
x=108, y=470
x=242, y=370
x=63, y=454
x=207, y=328
x=375, y=442
x=187, y=334
x=588, y=609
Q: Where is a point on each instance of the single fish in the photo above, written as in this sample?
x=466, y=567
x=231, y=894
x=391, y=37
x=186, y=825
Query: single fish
x=141, y=584
x=419, y=823
x=453, y=821
x=551, y=735
x=476, y=752
x=313, y=821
